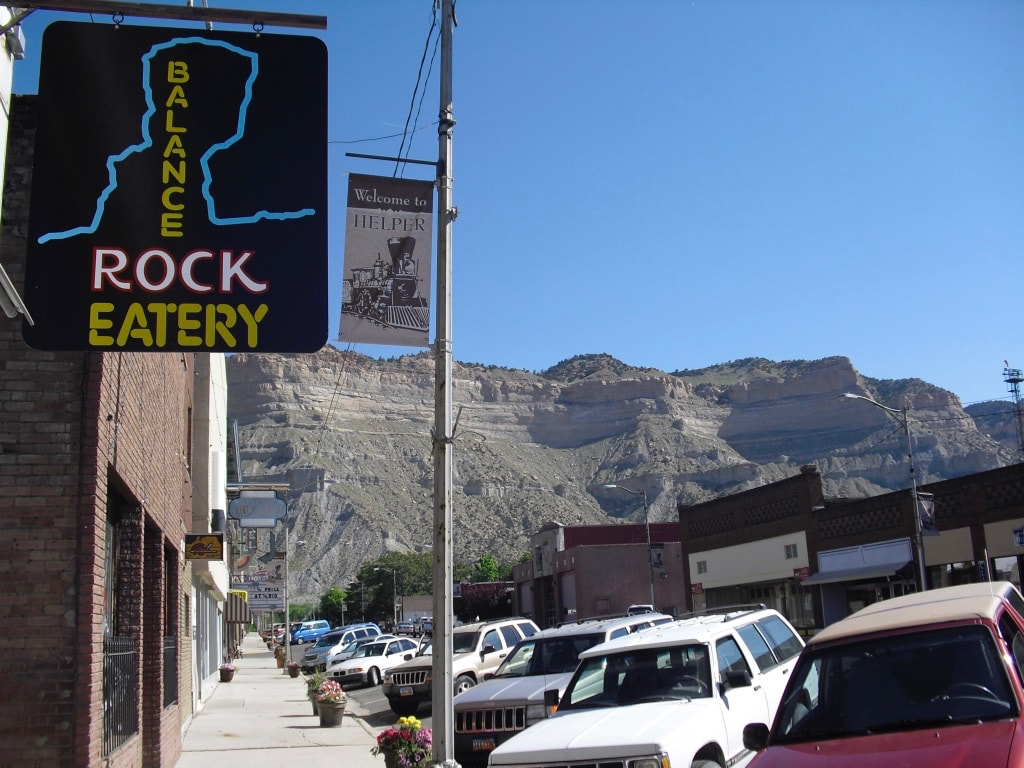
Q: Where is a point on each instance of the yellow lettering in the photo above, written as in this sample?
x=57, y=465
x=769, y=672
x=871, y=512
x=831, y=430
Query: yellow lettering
x=170, y=225
x=160, y=313
x=169, y=125
x=177, y=71
x=135, y=326
x=176, y=98
x=193, y=325
x=252, y=319
x=188, y=323
x=169, y=204
x=215, y=327
x=98, y=323
x=174, y=147
x=170, y=170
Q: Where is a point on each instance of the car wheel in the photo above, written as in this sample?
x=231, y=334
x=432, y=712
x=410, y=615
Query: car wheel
x=404, y=708
x=463, y=683
x=373, y=676
x=704, y=764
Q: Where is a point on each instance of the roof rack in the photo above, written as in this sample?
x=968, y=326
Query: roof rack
x=724, y=610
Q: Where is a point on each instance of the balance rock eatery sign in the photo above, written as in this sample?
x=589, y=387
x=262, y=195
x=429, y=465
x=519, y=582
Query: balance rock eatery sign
x=179, y=192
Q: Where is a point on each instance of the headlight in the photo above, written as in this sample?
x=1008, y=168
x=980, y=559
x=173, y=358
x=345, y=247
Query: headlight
x=659, y=761
x=534, y=712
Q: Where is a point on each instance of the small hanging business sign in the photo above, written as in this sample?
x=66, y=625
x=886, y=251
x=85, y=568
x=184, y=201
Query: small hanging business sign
x=179, y=192
x=204, y=546
x=385, y=294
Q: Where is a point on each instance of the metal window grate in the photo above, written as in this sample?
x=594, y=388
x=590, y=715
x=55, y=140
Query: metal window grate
x=120, y=692
x=170, y=670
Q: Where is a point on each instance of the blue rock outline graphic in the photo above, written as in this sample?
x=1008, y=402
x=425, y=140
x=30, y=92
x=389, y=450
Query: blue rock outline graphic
x=204, y=161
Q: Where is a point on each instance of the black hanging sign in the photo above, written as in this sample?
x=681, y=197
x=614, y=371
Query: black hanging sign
x=179, y=192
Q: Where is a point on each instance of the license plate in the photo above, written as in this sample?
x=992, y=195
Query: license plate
x=481, y=745
x=406, y=691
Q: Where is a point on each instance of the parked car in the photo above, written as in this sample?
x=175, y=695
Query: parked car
x=371, y=660
x=310, y=631
x=342, y=653
x=512, y=699
x=677, y=694
x=635, y=609
x=476, y=650
x=406, y=628
x=315, y=657
x=932, y=678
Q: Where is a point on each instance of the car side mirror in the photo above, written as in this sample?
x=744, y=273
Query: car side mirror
x=551, y=700
x=755, y=736
x=737, y=679
x=407, y=656
x=487, y=649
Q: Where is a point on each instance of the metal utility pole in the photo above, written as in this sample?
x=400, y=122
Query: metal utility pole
x=1013, y=379
x=444, y=572
x=647, y=525
x=902, y=417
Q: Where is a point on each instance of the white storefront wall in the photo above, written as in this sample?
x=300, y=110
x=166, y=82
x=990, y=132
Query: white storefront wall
x=749, y=563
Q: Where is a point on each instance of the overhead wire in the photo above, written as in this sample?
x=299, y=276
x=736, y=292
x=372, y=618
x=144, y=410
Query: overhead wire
x=420, y=83
x=415, y=104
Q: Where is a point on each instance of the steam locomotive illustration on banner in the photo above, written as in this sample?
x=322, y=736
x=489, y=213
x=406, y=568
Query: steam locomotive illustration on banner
x=388, y=294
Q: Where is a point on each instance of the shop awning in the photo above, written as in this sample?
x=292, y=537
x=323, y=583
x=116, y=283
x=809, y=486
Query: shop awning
x=856, y=574
x=238, y=610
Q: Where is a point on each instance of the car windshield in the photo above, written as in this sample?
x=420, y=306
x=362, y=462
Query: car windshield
x=351, y=647
x=640, y=675
x=547, y=656
x=326, y=640
x=463, y=641
x=897, y=683
x=370, y=649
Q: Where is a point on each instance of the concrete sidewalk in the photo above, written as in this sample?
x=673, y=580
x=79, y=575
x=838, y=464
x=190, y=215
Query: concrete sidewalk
x=263, y=717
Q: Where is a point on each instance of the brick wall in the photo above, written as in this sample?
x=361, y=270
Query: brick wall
x=77, y=430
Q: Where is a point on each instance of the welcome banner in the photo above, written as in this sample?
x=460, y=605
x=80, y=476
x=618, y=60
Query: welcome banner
x=385, y=294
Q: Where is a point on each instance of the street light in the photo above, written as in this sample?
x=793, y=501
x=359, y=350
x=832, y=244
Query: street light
x=647, y=526
x=902, y=417
x=394, y=593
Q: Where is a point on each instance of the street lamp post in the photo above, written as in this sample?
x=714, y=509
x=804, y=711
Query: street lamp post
x=394, y=592
x=647, y=526
x=902, y=417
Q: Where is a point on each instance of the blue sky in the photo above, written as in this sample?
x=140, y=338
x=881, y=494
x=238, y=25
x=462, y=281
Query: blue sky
x=680, y=184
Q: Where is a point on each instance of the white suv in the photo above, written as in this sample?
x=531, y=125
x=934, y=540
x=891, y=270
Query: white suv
x=476, y=650
x=513, y=698
x=678, y=694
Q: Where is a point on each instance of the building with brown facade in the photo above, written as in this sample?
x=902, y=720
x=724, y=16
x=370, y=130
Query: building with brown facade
x=98, y=468
x=814, y=559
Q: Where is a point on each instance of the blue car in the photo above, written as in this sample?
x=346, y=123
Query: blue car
x=310, y=631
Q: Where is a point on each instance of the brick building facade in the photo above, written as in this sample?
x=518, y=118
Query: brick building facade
x=785, y=544
x=95, y=498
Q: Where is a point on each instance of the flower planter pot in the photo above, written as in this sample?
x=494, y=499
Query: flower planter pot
x=330, y=713
x=293, y=671
x=226, y=675
x=280, y=663
x=390, y=759
x=316, y=710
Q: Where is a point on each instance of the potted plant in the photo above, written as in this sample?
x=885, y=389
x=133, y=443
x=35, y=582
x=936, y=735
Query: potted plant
x=405, y=745
x=313, y=683
x=279, y=654
x=330, y=703
x=227, y=671
x=293, y=668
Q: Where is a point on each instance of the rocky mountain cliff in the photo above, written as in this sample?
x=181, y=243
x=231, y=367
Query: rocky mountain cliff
x=351, y=436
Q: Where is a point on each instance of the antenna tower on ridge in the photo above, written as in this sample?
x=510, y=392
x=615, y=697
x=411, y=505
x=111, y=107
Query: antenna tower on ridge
x=1013, y=379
